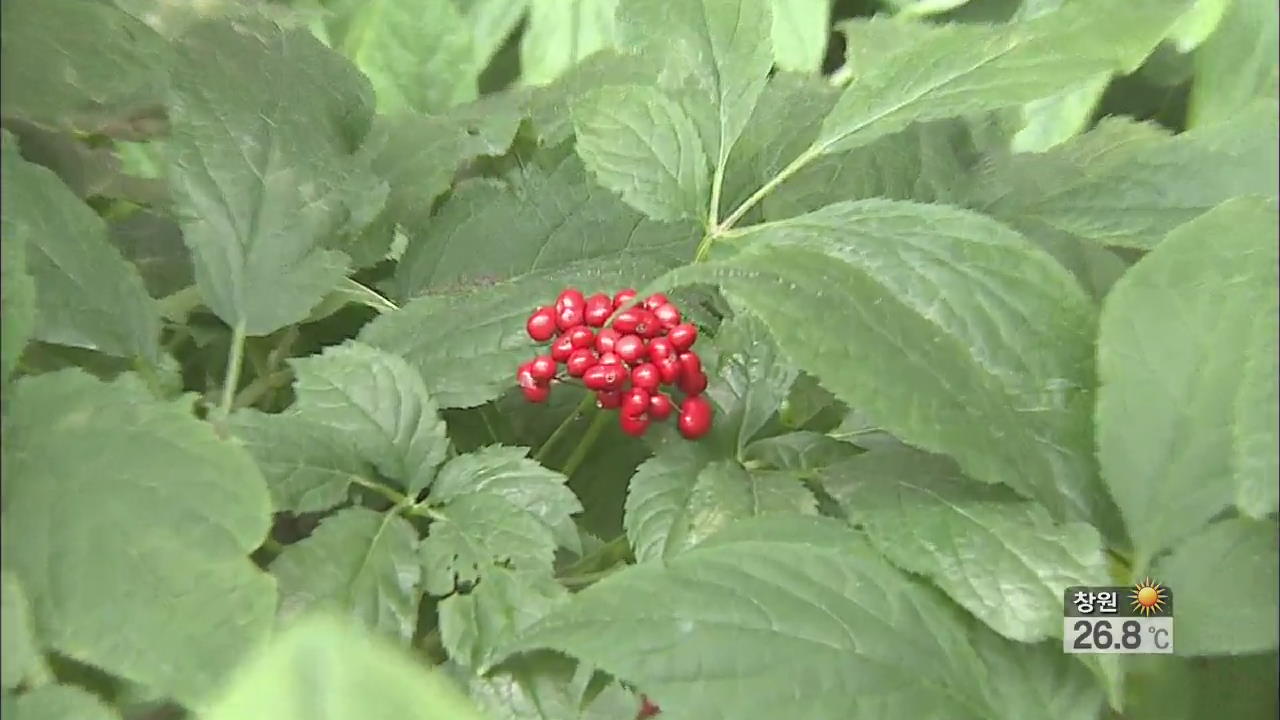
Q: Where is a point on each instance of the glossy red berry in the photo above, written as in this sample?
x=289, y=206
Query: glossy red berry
x=695, y=417
x=542, y=324
x=537, y=393
x=635, y=401
x=524, y=376
x=605, y=377
x=630, y=348
x=598, y=309
x=682, y=336
x=623, y=298
x=690, y=363
x=667, y=314
x=627, y=320
x=608, y=399
x=606, y=338
x=634, y=425
x=692, y=383
x=570, y=297
x=660, y=347
x=533, y=389
x=646, y=375
x=668, y=369
x=568, y=317
x=609, y=358
x=543, y=368
x=580, y=360
x=581, y=336
x=561, y=348
x=654, y=301
x=647, y=326
x=660, y=406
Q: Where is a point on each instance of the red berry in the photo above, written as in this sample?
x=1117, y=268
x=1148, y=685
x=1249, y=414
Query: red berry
x=542, y=324
x=695, y=417
x=524, y=376
x=569, y=298
x=660, y=347
x=692, y=383
x=648, y=326
x=537, y=393
x=608, y=399
x=668, y=369
x=659, y=406
x=647, y=709
x=683, y=336
x=690, y=363
x=561, y=348
x=543, y=367
x=655, y=300
x=579, y=360
x=646, y=375
x=634, y=425
x=533, y=389
x=598, y=309
x=604, y=377
x=606, y=338
x=609, y=358
x=630, y=348
x=581, y=336
x=569, y=317
x=624, y=297
x=635, y=401
x=627, y=320
x=668, y=315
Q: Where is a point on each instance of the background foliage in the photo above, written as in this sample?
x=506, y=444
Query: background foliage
x=988, y=291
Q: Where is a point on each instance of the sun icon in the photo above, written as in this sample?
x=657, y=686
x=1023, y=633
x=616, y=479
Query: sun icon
x=1148, y=597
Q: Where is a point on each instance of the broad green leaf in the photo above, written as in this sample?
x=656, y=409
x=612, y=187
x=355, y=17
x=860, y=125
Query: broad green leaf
x=79, y=65
x=466, y=345
x=358, y=562
x=718, y=54
x=507, y=473
x=803, y=451
x=1235, y=556
x=264, y=173
x=753, y=379
x=1237, y=62
x=548, y=106
x=326, y=669
x=560, y=33
x=417, y=53
x=1175, y=333
x=60, y=702
x=724, y=492
x=782, y=616
x=800, y=30
x=83, y=459
x=642, y=145
x=958, y=70
x=478, y=533
x=998, y=556
x=544, y=219
x=1036, y=681
x=659, y=494
x=1197, y=24
x=1127, y=183
x=1257, y=415
x=477, y=625
x=307, y=465
x=1168, y=687
x=492, y=21
x=549, y=686
x=21, y=658
x=152, y=241
x=380, y=403
x=1058, y=117
x=17, y=296
x=927, y=345
x=86, y=294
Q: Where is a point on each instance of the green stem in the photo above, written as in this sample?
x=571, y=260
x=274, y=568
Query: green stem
x=717, y=187
x=235, y=356
x=588, y=578
x=391, y=494
x=791, y=169
x=260, y=386
x=563, y=428
x=584, y=445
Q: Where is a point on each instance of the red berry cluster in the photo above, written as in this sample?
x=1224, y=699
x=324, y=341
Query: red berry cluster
x=626, y=361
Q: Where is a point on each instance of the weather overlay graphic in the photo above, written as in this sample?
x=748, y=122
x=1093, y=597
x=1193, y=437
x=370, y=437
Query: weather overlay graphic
x=1118, y=619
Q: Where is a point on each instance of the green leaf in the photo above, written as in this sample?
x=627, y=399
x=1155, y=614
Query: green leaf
x=86, y=294
x=484, y=328
x=354, y=674
x=507, y=473
x=82, y=459
x=417, y=53
x=545, y=219
x=753, y=379
x=1129, y=184
x=802, y=451
x=264, y=173
x=998, y=556
x=358, y=562
x=17, y=297
x=474, y=627
x=1257, y=415
x=560, y=34
x=152, y=241
x=659, y=494
x=1174, y=334
x=308, y=467
x=1168, y=687
x=725, y=492
x=642, y=145
x=1236, y=64
x=492, y=22
x=1036, y=681
x=785, y=615
x=59, y=702
x=955, y=70
x=548, y=105
x=549, y=686
x=999, y=380
x=79, y=65
x=1058, y=117
x=800, y=30
x=475, y=534
x=1197, y=24
x=21, y=659
x=1238, y=554
x=380, y=403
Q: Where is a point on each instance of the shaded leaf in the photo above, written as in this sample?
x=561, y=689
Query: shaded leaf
x=1237, y=63
x=800, y=29
x=59, y=702
x=307, y=465
x=753, y=379
x=475, y=626
x=21, y=658
x=476, y=534
x=560, y=34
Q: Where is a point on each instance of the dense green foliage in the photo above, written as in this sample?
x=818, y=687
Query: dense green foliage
x=987, y=293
